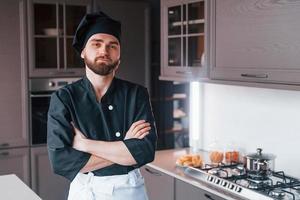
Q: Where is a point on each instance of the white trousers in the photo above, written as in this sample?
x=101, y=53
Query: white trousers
x=118, y=187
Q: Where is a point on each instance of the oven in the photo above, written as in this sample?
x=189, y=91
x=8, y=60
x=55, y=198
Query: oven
x=40, y=94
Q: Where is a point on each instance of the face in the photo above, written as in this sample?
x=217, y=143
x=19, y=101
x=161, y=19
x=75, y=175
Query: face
x=102, y=54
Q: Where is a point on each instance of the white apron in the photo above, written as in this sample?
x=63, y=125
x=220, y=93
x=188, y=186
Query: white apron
x=118, y=187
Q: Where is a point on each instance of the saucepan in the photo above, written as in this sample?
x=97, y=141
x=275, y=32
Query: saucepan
x=259, y=164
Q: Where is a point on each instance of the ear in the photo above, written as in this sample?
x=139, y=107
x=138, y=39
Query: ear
x=117, y=67
x=82, y=53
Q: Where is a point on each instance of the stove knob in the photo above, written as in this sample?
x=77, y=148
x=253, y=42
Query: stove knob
x=51, y=83
x=211, y=179
x=224, y=183
x=231, y=186
x=238, y=189
x=217, y=181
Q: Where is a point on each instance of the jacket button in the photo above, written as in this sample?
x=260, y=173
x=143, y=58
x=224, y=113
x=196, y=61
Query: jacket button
x=110, y=107
x=118, y=134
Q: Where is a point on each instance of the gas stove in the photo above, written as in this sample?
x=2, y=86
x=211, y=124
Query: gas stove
x=233, y=180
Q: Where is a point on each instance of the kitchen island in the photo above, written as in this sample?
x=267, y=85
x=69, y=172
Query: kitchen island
x=166, y=173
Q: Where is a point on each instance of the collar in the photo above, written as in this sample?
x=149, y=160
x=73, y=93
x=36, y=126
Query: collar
x=107, y=96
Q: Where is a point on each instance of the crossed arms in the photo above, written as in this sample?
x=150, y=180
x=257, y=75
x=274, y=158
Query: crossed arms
x=71, y=152
x=110, y=152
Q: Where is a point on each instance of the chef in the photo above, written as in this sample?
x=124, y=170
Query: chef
x=101, y=129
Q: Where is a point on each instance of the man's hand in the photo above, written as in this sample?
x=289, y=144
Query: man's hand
x=138, y=129
x=79, y=139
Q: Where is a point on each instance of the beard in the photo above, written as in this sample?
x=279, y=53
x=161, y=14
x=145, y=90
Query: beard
x=101, y=68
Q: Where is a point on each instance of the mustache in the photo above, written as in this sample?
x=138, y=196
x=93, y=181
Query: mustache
x=103, y=58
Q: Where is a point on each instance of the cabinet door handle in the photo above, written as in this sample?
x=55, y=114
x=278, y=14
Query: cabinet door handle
x=183, y=72
x=5, y=153
x=64, y=72
x=39, y=95
x=255, y=75
x=152, y=172
x=208, y=197
x=4, y=145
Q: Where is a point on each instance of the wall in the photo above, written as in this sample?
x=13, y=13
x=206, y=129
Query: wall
x=254, y=117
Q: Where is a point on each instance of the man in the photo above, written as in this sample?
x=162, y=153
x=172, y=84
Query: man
x=101, y=129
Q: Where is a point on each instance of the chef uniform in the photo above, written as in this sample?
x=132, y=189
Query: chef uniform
x=107, y=120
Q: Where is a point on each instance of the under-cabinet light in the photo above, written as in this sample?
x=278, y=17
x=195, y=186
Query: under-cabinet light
x=195, y=113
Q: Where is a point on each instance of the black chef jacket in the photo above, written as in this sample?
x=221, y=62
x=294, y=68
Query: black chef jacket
x=108, y=120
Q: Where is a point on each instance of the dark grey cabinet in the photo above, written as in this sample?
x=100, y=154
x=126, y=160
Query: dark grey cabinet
x=46, y=184
x=159, y=186
x=187, y=191
x=15, y=161
x=13, y=119
x=256, y=41
x=51, y=29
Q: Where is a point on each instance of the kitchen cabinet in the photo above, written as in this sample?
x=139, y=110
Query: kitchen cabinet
x=256, y=41
x=51, y=29
x=159, y=186
x=13, y=119
x=15, y=161
x=46, y=184
x=187, y=191
x=184, y=39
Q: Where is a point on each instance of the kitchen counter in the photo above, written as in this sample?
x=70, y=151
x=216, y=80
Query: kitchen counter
x=13, y=188
x=165, y=162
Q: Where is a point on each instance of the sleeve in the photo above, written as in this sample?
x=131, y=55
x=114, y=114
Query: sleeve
x=65, y=160
x=143, y=150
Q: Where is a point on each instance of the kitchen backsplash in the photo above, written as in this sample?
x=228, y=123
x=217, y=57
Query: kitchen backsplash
x=254, y=117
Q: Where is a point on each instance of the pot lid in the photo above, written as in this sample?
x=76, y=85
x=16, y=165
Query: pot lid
x=260, y=156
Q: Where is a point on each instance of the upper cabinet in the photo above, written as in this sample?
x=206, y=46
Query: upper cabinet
x=256, y=41
x=13, y=101
x=52, y=25
x=184, y=39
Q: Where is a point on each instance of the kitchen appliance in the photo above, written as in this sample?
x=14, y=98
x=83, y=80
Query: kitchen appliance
x=234, y=180
x=40, y=94
x=258, y=164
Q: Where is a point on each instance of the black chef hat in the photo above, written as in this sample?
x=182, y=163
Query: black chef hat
x=93, y=23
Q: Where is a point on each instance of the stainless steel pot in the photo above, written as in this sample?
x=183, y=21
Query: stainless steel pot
x=259, y=164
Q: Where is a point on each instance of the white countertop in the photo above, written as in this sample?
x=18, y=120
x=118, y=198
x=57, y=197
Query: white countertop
x=12, y=188
x=165, y=162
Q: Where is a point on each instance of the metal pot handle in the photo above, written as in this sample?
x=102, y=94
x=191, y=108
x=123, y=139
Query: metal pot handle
x=259, y=165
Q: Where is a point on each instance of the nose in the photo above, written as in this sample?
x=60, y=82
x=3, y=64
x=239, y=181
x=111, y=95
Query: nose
x=103, y=50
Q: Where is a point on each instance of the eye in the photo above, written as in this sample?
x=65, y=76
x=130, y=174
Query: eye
x=112, y=46
x=96, y=44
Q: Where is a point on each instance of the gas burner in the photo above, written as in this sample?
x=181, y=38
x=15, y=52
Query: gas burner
x=257, y=177
x=222, y=173
x=265, y=181
x=240, y=167
x=213, y=165
x=277, y=193
x=213, y=171
x=254, y=186
x=239, y=170
x=258, y=181
x=258, y=184
x=243, y=182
